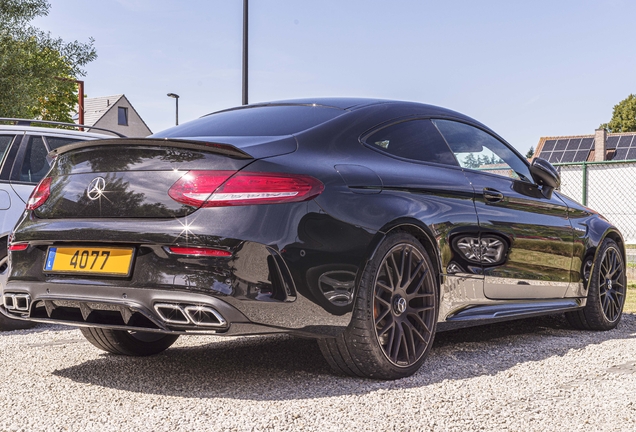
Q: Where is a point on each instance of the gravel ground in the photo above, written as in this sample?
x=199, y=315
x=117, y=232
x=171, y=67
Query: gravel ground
x=532, y=375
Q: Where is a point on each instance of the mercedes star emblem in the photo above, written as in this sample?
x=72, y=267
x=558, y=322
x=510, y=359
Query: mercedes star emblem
x=400, y=305
x=96, y=188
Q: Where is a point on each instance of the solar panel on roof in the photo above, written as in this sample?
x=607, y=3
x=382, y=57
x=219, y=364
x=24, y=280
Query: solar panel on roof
x=621, y=154
x=568, y=156
x=586, y=144
x=548, y=146
x=556, y=156
x=581, y=156
x=611, y=142
x=573, y=144
x=625, y=146
x=625, y=141
x=561, y=144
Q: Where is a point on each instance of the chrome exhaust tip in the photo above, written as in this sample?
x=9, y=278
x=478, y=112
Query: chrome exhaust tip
x=171, y=313
x=205, y=316
x=16, y=302
x=198, y=315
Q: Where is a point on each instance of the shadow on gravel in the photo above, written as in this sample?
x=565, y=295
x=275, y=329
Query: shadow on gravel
x=286, y=368
x=37, y=329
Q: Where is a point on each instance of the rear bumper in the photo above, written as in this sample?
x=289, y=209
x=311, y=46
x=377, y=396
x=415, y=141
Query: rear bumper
x=154, y=310
x=285, y=260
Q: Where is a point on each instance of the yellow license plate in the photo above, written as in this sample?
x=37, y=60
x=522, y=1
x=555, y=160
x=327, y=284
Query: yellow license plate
x=89, y=260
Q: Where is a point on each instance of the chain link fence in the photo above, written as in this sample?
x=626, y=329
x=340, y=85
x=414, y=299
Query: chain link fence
x=608, y=187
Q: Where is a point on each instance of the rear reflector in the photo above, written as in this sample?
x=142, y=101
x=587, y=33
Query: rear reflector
x=199, y=251
x=226, y=188
x=18, y=246
x=40, y=194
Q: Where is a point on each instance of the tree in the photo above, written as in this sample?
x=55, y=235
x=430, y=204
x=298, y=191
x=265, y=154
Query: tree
x=530, y=153
x=37, y=70
x=471, y=161
x=623, y=117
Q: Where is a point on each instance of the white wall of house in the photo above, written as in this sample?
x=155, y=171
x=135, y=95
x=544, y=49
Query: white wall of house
x=135, y=128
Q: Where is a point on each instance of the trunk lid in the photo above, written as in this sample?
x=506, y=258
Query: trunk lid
x=130, y=178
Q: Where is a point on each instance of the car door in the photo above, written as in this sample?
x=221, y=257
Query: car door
x=9, y=143
x=31, y=164
x=526, y=239
x=429, y=185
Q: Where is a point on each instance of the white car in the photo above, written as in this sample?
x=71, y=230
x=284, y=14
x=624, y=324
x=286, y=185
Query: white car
x=23, y=151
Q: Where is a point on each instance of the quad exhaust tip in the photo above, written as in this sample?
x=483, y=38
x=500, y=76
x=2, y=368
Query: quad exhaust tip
x=171, y=313
x=204, y=316
x=16, y=302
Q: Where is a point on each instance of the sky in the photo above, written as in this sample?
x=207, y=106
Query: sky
x=526, y=69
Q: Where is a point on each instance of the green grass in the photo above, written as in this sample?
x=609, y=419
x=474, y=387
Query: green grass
x=630, y=300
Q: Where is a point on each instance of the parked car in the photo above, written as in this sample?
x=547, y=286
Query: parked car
x=23, y=150
x=366, y=224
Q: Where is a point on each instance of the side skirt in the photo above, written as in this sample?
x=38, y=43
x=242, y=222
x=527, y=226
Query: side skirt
x=492, y=313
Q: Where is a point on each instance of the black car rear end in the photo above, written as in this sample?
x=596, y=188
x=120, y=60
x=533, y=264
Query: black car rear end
x=168, y=235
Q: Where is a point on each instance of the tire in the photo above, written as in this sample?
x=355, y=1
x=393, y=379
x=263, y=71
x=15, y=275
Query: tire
x=607, y=287
x=8, y=324
x=128, y=343
x=394, y=317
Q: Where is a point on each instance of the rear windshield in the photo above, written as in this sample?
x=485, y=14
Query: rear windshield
x=259, y=121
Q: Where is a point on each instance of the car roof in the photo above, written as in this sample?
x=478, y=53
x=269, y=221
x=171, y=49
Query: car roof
x=52, y=131
x=352, y=104
x=335, y=102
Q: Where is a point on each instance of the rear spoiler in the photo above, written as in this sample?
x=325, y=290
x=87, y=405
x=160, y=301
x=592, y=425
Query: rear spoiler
x=212, y=147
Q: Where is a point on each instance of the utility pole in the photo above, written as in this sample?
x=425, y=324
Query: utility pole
x=245, y=52
x=80, y=98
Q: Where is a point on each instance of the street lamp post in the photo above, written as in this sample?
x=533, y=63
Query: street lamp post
x=176, y=99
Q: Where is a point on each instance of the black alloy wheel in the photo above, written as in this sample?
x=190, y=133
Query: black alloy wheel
x=611, y=281
x=403, y=305
x=395, y=314
x=607, y=288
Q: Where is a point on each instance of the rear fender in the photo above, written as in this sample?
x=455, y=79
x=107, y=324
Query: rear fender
x=418, y=230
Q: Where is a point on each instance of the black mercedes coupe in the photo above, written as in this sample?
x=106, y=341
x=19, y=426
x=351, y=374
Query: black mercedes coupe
x=366, y=224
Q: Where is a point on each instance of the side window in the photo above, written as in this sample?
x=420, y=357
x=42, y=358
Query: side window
x=55, y=142
x=5, y=142
x=34, y=166
x=416, y=139
x=478, y=150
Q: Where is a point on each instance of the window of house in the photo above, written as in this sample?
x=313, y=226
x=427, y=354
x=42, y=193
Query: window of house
x=122, y=116
x=416, y=139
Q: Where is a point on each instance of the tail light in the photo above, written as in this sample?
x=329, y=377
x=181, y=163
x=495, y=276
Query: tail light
x=18, y=246
x=197, y=251
x=227, y=188
x=40, y=194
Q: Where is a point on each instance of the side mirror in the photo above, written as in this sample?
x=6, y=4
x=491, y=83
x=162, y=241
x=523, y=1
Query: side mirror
x=545, y=175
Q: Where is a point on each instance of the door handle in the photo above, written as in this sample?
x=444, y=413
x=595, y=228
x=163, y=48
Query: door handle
x=493, y=195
